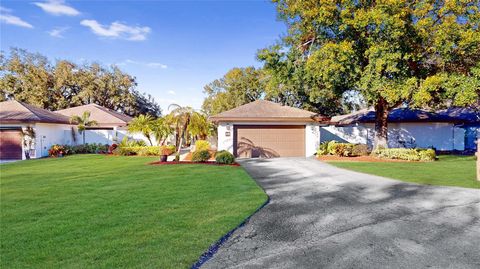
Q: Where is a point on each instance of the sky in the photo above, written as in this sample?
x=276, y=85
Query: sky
x=173, y=48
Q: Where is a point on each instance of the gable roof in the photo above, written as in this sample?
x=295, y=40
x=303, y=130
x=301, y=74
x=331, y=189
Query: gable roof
x=262, y=110
x=15, y=111
x=455, y=115
x=102, y=115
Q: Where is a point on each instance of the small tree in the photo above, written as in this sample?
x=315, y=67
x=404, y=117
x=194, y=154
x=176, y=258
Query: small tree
x=187, y=121
x=143, y=124
x=83, y=122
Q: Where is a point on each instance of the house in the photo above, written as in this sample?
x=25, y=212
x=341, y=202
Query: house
x=266, y=129
x=55, y=128
x=15, y=117
x=445, y=130
x=111, y=125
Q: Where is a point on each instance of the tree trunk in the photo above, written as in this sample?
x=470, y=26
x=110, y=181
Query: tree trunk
x=83, y=135
x=381, y=124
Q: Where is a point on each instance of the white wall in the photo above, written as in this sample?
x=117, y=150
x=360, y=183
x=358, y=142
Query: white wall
x=225, y=141
x=312, y=134
x=442, y=136
x=48, y=134
x=312, y=138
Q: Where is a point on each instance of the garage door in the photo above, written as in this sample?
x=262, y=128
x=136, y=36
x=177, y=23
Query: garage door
x=10, y=145
x=268, y=141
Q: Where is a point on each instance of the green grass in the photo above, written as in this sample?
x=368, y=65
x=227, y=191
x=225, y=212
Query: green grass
x=447, y=171
x=92, y=211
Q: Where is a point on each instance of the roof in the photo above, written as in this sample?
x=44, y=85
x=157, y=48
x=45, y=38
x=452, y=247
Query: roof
x=262, y=110
x=102, y=115
x=15, y=111
x=455, y=115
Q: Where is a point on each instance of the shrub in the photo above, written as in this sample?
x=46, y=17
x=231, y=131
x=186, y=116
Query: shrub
x=144, y=151
x=126, y=142
x=202, y=145
x=200, y=156
x=323, y=148
x=405, y=154
x=224, y=157
x=342, y=149
x=56, y=151
x=360, y=150
x=330, y=146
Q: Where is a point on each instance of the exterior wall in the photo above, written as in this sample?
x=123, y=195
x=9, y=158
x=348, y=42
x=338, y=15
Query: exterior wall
x=442, y=136
x=312, y=138
x=225, y=141
x=48, y=134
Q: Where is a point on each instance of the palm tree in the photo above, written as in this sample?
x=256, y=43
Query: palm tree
x=83, y=122
x=142, y=124
x=187, y=121
x=161, y=129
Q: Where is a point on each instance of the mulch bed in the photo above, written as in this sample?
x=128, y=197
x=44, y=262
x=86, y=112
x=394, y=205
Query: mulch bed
x=188, y=162
x=358, y=159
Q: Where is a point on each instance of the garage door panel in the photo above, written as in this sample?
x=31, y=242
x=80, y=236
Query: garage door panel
x=270, y=141
x=10, y=145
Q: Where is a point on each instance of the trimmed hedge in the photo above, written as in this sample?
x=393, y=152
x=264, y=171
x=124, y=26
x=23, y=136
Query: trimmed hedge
x=200, y=156
x=342, y=149
x=144, y=151
x=93, y=148
x=405, y=154
x=224, y=157
x=202, y=145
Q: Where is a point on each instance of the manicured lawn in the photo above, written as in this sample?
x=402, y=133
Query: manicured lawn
x=95, y=211
x=447, y=171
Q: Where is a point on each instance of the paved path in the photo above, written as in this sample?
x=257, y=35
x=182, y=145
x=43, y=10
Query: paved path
x=325, y=217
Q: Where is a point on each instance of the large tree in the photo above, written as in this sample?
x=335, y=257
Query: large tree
x=422, y=53
x=237, y=87
x=31, y=78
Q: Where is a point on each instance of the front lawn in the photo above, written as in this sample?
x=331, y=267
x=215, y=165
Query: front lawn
x=93, y=211
x=447, y=171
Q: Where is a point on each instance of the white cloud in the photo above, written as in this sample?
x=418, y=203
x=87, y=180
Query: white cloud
x=117, y=30
x=146, y=64
x=7, y=18
x=155, y=65
x=171, y=92
x=57, y=31
x=57, y=7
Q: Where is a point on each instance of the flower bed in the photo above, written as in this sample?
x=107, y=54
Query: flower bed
x=189, y=162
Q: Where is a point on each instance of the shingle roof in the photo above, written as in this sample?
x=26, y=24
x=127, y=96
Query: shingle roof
x=100, y=114
x=262, y=110
x=14, y=111
x=456, y=115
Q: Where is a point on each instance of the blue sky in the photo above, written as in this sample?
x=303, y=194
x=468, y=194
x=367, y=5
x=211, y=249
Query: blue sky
x=173, y=48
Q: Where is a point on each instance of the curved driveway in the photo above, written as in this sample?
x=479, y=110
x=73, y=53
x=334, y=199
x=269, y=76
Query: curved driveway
x=320, y=216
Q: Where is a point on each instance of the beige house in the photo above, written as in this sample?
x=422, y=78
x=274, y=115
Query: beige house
x=267, y=129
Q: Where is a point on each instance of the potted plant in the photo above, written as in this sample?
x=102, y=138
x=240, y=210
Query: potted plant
x=164, y=152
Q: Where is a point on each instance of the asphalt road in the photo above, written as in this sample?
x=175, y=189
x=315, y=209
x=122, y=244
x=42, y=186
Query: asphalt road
x=321, y=216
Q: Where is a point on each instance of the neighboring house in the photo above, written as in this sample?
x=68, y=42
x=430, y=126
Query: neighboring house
x=266, y=129
x=56, y=128
x=50, y=129
x=444, y=130
x=111, y=125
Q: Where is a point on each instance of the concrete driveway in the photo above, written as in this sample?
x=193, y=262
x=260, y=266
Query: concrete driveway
x=325, y=217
